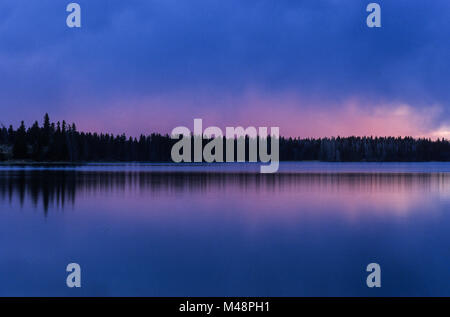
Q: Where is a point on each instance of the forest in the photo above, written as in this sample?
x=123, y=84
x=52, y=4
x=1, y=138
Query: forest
x=60, y=142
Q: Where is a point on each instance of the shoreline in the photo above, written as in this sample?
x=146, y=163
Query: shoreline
x=24, y=163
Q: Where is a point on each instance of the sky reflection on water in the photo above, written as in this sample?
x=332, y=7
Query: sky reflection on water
x=154, y=233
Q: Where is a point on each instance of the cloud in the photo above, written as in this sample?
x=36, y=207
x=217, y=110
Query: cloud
x=296, y=115
x=211, y=51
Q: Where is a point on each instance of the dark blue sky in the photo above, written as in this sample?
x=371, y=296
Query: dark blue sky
x=311, y=67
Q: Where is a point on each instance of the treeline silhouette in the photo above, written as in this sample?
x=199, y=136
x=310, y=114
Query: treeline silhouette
x=61, y=142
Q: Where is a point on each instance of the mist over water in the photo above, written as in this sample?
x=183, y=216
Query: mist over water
x=158, y=230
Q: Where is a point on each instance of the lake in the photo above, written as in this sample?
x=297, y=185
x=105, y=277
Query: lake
x=225, y=229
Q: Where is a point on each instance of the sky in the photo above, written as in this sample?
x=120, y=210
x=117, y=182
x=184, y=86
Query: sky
x=312, y=68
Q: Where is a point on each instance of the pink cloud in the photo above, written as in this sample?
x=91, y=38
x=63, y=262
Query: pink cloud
x=295, y=116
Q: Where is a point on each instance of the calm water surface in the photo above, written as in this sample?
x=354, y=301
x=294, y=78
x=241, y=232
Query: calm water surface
x=225, y=230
